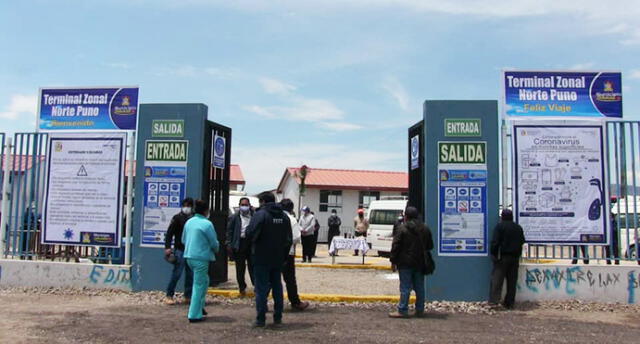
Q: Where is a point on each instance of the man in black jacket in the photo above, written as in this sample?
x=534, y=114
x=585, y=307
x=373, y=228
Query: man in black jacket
x=174, y=235
x=506, y=249
x=334, y=224
x=238, y=245
x=411, y=242
x=270, y=233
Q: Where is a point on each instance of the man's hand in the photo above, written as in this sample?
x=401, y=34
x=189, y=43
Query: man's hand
x=230, y=252
x=167, y=252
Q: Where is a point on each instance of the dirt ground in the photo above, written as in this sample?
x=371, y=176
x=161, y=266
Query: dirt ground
x=75, y=317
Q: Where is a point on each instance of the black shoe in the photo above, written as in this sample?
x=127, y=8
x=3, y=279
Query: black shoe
x=258, y=324
x=204, y=312
x=196, y=320
x=277, y=321
x=574, y=262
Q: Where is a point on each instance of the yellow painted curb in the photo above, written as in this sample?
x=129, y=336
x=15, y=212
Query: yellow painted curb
x=539, y=261
x=318, y=297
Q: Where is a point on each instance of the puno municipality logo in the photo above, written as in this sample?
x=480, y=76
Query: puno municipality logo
x=608, y=93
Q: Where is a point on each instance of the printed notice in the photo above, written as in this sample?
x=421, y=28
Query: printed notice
x=84, y=185
x=559, y=174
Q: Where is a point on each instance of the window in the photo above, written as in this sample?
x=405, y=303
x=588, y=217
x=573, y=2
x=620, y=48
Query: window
x=366, y=197
x=330, y=199
x=384, y=217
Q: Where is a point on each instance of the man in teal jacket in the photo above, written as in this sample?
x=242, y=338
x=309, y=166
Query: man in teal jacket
x=201, y=244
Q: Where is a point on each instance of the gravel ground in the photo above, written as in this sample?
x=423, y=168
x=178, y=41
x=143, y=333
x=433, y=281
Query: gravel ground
x=54, y=315
x=335, y=281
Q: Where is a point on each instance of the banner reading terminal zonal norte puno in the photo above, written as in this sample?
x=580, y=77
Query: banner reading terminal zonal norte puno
x=165, y=178
x=84, y=187
x=562, y=94
x=561, y=183
x=102, y=108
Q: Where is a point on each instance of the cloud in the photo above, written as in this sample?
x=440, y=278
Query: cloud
x=118, y=65
x=273, y=86
x=582, y=66
x=263, y=166
x=635, y=74
x=397, y=91
x=20, y=106
x=320, y=112
x=590, y=17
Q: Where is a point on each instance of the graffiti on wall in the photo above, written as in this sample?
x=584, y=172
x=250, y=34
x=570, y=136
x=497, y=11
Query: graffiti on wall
x=110, y=275
x=569, y=280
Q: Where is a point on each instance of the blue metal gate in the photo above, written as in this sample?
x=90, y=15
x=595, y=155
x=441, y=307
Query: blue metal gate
x=27, y=159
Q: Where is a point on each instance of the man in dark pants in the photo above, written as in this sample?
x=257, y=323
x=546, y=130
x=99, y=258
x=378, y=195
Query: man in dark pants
x=270, y=234
x=585, y=256
x=612, y=252
x=506, y=249
x=289, y=268
x=334, y=223
x=238, y=245
x=174, y=235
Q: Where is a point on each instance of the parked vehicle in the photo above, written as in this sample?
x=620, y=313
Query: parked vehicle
x=383, y=215
x=627, y=214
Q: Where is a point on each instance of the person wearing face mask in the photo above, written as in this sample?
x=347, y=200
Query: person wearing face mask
x=174, y=235
x=238, y=245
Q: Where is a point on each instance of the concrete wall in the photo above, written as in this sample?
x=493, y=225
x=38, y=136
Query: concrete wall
x=19, y=273
x=611, y=283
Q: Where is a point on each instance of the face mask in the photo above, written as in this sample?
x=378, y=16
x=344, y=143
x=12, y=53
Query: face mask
x=244, y=208
x=186, y=210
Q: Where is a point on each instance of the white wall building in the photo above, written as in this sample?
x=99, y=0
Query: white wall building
x=342, y=190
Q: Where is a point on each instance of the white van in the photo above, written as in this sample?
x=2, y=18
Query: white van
x=626, y=212
x=382, y=215
x=234, y=201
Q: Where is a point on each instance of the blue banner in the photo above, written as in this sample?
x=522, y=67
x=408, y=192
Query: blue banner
x=463, y=212
x=563, y=94
x=88, y=108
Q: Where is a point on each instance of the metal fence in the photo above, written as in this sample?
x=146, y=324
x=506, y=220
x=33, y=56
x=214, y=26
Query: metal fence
x=623, y=146
x=25, y=166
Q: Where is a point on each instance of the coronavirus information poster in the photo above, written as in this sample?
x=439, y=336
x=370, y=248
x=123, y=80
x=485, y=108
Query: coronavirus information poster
x=83, y=193
x=560, y=183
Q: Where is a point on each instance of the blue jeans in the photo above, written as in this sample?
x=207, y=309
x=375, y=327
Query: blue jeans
x=178, y=267
x=201, y=284
x=411, y=279
x=268, y=279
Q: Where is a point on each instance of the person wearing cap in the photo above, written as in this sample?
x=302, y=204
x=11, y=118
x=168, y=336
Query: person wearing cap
x=506, y=249
x=361, y=225
x=307, y=229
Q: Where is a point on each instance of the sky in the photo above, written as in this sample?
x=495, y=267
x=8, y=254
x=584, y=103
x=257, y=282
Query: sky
x=330, y=84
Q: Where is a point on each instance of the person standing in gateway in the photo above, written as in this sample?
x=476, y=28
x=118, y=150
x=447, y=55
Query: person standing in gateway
x=200, y=246
x=506, y=249
x=238, y=245
x=174, y=235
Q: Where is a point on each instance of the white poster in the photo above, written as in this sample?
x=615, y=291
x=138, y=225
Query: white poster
x=560, y=183
x=83, y=192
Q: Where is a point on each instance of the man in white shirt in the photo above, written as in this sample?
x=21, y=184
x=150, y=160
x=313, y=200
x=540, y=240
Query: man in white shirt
x=238, y=245
x=307, y=228
x=289, y=269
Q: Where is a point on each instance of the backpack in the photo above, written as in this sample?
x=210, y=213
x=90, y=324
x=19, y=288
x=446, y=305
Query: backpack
x=316, y=227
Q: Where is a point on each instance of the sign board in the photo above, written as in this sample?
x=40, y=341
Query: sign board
x=561, y=183
x=219, y=151
x=462, y=127
x=415, y=152
x=83, y=192
x=165, y=177
x=103, y=108
x=167, y=128
x=463, y=211
x=562, y=94
x=462, y=152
